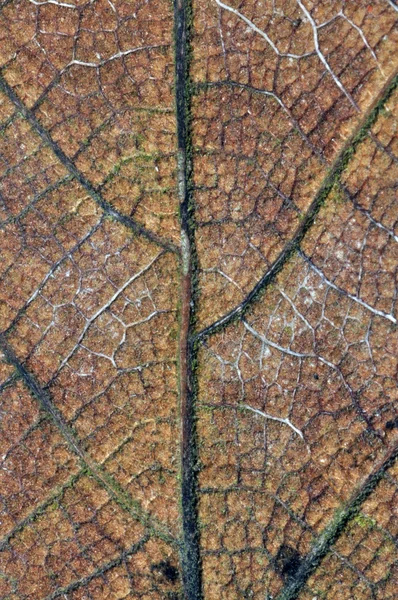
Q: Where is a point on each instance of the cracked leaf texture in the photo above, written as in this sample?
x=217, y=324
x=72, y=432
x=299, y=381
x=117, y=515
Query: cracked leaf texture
x=211, y=419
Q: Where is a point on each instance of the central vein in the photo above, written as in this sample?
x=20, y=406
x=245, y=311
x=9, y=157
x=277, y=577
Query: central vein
x=190, y=555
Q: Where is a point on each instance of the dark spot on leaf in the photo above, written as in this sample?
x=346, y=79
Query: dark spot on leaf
x=166, y=570
x=393, y=424
x=287, y=561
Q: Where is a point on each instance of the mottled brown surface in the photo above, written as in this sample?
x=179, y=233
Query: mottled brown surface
x=271, y=127
x=198, y=300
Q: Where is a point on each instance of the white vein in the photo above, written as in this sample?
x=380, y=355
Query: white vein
x=222, y=274
x=260, y=32
x=321, y=55
x=103, y=62
x=63, y=4
x=317, y=50
x=276, y=346
x=104, y=307
x=375, y=311
x=272, y=418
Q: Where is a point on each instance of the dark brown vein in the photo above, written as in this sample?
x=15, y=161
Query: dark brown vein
x=79, y=583
x=331, y=533
x=190, y=552
x=103, y=478
x=293, y=244
x=51, y=188
x=39, y=509
x=50, y=274
x=78, y=175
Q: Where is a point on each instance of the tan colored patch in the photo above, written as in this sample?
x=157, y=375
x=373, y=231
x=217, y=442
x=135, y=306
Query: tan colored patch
x=363, y=560
x=36, y=240
x=100, y=80
x=296, y=401
x=35, y=459
x=304, y=355
x=272, y=125
x=75, y=536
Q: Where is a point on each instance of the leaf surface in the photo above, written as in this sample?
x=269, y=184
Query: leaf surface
x=198, y=300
